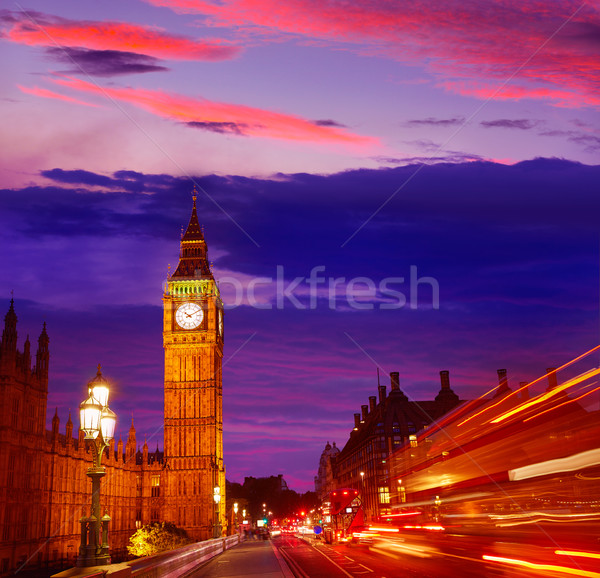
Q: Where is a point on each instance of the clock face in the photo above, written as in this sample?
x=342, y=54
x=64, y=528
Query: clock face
x=220, y=322
x=189, y=315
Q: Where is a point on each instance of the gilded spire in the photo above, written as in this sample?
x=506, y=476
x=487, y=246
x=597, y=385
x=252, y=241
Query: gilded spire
x=193, y=231
x=193, y=259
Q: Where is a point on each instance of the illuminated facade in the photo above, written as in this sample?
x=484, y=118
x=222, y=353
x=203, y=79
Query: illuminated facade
x=193, y=342
x=382, y=427
x=44, y=489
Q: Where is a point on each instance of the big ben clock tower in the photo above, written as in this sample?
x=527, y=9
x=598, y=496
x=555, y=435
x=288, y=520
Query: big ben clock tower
x=193, y=342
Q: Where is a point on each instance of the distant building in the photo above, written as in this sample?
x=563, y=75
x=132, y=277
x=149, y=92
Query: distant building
x=324, y=481
x=382, y=426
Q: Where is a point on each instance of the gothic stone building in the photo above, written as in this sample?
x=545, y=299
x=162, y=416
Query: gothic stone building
x=381, y=427
x=44, y=489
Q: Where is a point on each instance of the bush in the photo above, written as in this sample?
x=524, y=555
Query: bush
x=157, y=537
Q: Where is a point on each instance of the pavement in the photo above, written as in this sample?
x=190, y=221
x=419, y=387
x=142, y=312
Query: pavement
x=251, y=558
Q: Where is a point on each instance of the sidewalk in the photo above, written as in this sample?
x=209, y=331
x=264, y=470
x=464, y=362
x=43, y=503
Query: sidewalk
x=248, y=559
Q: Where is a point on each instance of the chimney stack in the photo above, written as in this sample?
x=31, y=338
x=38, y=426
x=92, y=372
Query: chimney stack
x=445, y=378
x=552, y=380
x=502, y=383
x=372, y=403
x=524, y=390
x=381, y=393
x=357, y=420
x=395, y=380
x=365, y=411
x=502, y=380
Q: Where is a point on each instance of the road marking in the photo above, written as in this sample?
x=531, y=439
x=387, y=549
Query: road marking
x=348, y=558
x=369, y=569
x=336, y=565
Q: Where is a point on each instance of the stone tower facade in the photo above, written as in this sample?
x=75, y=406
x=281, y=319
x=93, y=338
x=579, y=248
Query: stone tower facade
x=193, y=435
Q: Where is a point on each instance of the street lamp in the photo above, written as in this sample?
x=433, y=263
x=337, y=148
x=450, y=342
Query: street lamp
x=217, y=499
x=235, y=512
x=98, y=422
x=362, y=491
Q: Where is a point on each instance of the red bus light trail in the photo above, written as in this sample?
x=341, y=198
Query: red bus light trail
x=546, y=567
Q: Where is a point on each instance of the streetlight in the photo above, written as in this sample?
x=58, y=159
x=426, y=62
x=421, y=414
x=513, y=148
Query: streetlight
x=217, y=499
x=362, y=491
x=235, y=511
x=98, y=423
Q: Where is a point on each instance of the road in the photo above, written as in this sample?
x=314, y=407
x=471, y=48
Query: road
x=419, y=557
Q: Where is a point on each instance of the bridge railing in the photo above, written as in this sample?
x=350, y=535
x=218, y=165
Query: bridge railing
x=174, y=563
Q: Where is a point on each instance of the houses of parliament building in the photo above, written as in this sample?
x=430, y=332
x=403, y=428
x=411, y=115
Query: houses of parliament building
x=44, y=489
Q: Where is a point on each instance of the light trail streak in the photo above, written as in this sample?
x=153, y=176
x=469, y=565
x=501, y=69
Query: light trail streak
x=545, y=396
x=546, y=567
x=568, y=464
x=577, y=554
x=528, y=385
x=564, y=403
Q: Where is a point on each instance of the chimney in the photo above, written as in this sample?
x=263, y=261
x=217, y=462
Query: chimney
x=502, y=381
x=381, y=393
x=395, y=380
x=365, y=411
x=552, y=380
x=372, y=403
x=524, y=390
x=357, y=420
x=445, y=378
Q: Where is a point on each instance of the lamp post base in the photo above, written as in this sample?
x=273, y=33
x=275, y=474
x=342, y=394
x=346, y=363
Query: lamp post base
x=91, y=559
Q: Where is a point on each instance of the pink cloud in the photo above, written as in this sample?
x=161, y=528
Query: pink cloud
x=246, y=120
x=46, y=30
x=559, y=97
x=45, y=93
x=540, y=44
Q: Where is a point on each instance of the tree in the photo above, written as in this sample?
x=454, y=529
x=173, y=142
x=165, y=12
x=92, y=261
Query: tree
x=157, y=537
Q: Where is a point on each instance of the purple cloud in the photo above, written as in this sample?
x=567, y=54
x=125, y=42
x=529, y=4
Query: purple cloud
x=521, y=123
x=430, y=121
x=219, y=127
x=104, y=63
x=329, y=122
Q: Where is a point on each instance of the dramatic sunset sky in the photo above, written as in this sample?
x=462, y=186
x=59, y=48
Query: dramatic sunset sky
x=456, y=142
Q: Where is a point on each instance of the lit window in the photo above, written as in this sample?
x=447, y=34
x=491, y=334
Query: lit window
x=155, y=481
x=384, y=495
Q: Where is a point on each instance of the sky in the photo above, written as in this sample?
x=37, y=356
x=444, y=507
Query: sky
x=406, y=187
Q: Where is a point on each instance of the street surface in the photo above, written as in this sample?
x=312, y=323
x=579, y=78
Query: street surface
x=252, y=558
x=418, y=557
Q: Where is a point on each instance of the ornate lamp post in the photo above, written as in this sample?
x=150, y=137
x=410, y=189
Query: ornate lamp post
x=98, y=423
x=235, y=512
x=217, y=525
